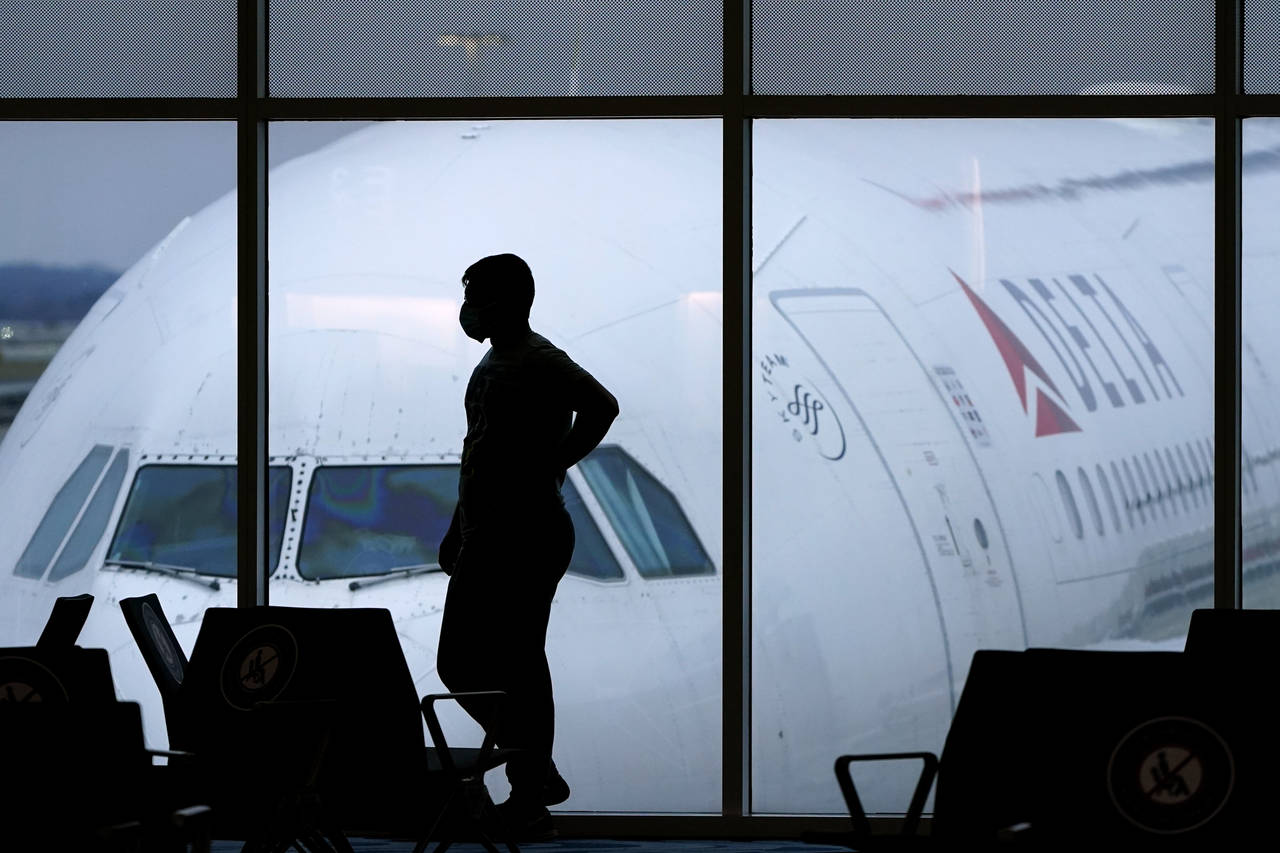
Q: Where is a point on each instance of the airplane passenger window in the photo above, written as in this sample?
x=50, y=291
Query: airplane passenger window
x=1155, y=483
x=1170, y=483
x=1141, y=495
x=1069, y=503
x=1091, y=499
x=372, y=519
x=1111, y=500
x=645, y=515
x=62, y=511
x=591, y=555
x=1199, y=479
x=1124, y=496
x=75, y=554
x=1179, y=478
x=184, y=517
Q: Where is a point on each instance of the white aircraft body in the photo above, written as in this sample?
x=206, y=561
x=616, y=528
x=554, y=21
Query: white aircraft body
x=982, y=400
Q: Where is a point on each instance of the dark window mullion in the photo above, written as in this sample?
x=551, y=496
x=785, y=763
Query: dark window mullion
x=736, y=421
x=252, y=524
x=1227, y=274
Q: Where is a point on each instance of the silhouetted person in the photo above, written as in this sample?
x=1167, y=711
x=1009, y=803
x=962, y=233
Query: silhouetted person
x=511, y=539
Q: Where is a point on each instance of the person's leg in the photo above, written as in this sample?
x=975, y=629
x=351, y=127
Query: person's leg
x=468, y=655
x=531, y=725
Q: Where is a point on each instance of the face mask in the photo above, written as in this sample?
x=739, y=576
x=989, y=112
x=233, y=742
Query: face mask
x=472, y=322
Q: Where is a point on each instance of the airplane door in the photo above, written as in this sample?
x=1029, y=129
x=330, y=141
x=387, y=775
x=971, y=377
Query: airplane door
x=959, y=536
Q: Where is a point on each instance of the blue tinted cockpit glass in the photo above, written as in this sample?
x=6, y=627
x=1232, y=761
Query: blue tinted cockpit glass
x=368, y=520
x=646, y=516
x=185, y=516
x=591, y=555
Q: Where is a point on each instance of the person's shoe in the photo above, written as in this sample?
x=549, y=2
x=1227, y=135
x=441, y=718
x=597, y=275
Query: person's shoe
x=557, y=790
x=525, y=821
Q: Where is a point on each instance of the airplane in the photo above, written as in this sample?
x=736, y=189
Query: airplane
x=981, y=400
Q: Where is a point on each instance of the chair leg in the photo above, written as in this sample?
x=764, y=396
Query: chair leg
x=437, y=824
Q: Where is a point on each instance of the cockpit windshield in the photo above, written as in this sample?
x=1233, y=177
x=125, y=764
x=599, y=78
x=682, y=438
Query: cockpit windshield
x=372, y=519
x=184, y=517
x=366, y=520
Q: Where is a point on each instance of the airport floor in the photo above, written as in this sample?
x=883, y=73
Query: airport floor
x=585, y=845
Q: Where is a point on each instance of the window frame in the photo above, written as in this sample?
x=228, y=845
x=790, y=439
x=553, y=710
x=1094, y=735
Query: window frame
x=252, y=108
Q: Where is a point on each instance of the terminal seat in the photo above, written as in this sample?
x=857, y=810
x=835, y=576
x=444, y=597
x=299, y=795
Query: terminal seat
x=78, y=774
x=344, y=665
x=1057, y=749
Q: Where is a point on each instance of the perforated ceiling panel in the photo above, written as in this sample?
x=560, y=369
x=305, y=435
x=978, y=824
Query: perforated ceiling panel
x=982, y=47
x=519, y=49
x=117, y=48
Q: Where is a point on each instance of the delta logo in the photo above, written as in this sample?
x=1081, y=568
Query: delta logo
x=1104, y=351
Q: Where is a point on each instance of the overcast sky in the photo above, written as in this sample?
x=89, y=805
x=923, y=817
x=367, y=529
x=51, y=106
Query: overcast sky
x=103, y=193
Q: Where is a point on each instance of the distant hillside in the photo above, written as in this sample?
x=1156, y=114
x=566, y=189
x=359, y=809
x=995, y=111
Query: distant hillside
x=46, y=294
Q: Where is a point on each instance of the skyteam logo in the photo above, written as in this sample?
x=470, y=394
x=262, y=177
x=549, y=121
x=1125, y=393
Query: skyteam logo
x=1101, y=346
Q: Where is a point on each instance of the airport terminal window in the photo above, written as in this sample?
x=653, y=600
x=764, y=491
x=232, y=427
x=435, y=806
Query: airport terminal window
x=645, y=515
x=1069, y=504
x=61, y=513
x=1086, y=488
x=372, y=519
x=591, y=555
x=184, y=516
x=75, y=554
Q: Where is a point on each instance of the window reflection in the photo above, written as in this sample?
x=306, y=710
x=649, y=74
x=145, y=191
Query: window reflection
x=367, y=520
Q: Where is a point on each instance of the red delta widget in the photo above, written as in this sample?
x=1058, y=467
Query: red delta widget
x=1103, y=349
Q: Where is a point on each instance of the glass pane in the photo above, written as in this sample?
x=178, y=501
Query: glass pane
x=982, y=47
x=956, y=326
x=1261, y=59
x=1260, y=360
x=619, y=222
x=183, y=518
x=75, y=554
x=117, y=344
x=62, y=511
x=140, y=49
x=529, y=48
x=591, y=555
x=372, y=520
x=645, y=516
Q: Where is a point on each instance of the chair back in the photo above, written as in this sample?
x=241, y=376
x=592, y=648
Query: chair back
x=66, y=620
x=56, y=675
x=1132, y=749
x=158, y=644
x=346, y=663
x=1229, y=634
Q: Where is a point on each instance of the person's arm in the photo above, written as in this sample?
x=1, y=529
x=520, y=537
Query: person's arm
x=451, y=543
x=596, y=410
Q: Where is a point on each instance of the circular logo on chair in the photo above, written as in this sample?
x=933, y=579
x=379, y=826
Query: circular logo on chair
x=25, y=680
x=259, y=666
x=160, y=638
x=1170, y=775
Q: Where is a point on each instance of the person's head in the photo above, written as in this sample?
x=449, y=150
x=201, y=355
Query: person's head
x=497, y=295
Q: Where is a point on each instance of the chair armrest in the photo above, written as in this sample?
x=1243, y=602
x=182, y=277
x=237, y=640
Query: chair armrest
x=861, y=826
x=437, y=733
